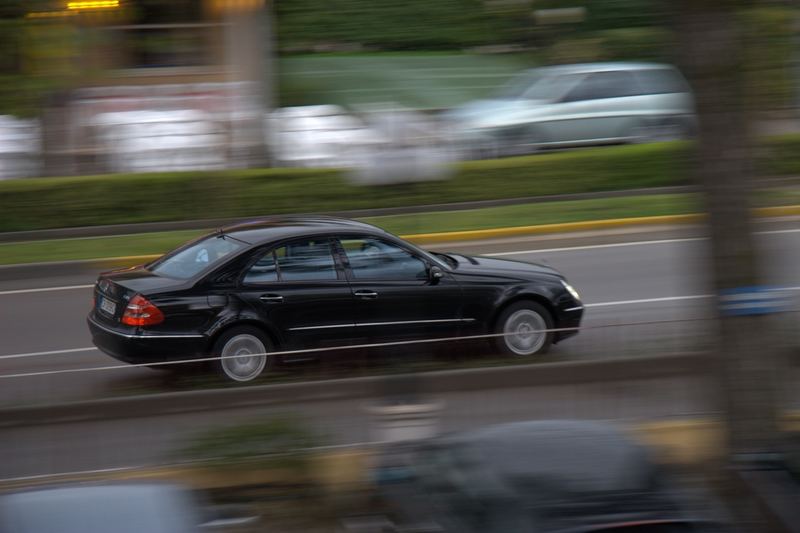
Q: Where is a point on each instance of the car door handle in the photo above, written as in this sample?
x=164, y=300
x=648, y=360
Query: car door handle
x=271, y=298
x=366, y=295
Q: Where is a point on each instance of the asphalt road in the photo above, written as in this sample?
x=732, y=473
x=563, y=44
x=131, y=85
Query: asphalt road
x=625, y=277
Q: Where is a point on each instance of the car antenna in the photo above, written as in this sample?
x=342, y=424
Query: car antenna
x=222, y=235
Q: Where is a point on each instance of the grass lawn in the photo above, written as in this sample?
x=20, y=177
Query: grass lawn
x=492, y=217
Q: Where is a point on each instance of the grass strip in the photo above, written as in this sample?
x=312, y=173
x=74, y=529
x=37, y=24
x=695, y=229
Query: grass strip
x=442, y=221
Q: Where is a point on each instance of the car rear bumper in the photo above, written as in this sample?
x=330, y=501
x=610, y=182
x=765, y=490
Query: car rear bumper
x=132, y=346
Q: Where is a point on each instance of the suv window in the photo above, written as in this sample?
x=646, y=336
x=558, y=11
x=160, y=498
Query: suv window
x=375, y=259
x=604, y=85
x=661, y=81
x=306, y=260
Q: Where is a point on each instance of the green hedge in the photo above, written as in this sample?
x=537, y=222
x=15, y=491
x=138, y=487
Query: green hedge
x=39, y=203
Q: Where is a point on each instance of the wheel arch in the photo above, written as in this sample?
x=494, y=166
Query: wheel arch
x=523, y=297
x=243, y=322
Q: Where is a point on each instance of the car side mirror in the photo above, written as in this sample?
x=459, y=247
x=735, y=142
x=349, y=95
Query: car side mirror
x=435, y=273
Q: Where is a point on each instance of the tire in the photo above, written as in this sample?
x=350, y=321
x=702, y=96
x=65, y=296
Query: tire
x=521, y=318
x=243, y=340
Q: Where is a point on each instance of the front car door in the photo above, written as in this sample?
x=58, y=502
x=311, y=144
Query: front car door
x=395, y=296
x=299, y=288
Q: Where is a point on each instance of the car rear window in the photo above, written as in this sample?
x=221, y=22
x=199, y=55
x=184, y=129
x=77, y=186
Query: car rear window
x=192, y=259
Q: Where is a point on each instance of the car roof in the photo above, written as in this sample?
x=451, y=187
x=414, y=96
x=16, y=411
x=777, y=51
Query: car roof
x=562, y=454
x=278, y=227
x=580, y=68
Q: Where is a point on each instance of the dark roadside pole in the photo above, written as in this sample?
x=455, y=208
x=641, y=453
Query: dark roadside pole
x=748, y=359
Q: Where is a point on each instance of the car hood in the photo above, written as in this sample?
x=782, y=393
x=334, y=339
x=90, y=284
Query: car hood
x=491, y=266
x=489, y=112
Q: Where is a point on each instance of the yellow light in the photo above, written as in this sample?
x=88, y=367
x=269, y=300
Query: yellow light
x=93, y=4
x=223, y=6
x=49, y=14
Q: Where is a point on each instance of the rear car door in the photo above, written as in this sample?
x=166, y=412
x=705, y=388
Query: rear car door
x=299, y=288
x=395, y=296
x=598, y=108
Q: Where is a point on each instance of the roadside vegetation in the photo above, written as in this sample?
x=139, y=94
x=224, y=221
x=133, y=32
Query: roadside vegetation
x=139, y=247
x=156, y=197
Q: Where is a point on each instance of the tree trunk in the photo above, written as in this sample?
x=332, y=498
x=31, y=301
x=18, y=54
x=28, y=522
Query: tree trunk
x=712, y=45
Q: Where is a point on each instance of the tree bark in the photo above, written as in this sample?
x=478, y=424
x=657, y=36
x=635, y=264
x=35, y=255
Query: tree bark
x=712, y=45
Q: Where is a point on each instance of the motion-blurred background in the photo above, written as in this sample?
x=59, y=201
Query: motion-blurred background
x=648, y=149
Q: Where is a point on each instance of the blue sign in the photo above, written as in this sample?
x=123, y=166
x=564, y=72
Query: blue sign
x=758, y=300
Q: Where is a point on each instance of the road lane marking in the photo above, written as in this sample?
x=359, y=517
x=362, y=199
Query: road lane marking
x=497, y=254
x=595, y=246
x=46, y=289
x=650, y=300
x=50, y=352
x=626, y=244
x=587, y=305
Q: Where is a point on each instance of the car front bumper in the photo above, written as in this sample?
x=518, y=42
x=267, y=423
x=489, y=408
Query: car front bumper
x=569, y=318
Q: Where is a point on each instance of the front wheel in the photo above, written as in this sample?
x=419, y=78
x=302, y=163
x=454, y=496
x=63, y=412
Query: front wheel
x=244, y=354
x=526, y=329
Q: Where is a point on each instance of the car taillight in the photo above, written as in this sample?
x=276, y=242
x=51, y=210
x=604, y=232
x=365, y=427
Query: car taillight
x=141, y=312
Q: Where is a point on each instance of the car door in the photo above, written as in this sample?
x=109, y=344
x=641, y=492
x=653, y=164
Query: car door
x=299, y=288
x=394, y=294
x=596, y=109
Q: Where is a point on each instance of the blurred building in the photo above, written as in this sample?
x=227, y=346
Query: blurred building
x=152, y=84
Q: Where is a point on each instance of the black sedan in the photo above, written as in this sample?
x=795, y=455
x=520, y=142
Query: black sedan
x=294, y=283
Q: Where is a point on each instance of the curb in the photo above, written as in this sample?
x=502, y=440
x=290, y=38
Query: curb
x=472, y=379
x=677, y=442
x=32, y=269
x=566, y=227
x=589, y=225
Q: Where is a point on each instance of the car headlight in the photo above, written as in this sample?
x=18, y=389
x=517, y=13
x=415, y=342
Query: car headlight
x=571, y=290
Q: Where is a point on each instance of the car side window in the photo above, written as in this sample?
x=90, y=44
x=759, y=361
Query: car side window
x=264, y=270
x=375, y=259
x=661, y=81
x=602, y=85
x=302, y=260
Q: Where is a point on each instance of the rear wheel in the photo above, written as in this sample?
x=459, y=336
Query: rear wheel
x=525, y=328
x=244, y=354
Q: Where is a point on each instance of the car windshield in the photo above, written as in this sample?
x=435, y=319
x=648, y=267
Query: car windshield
x=192, y=259
x=534, y=85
